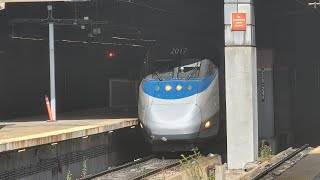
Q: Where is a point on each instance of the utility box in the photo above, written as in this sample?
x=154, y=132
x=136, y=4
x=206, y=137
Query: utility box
x=265, y=59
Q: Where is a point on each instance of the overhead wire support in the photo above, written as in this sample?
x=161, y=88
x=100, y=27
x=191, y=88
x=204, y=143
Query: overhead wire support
x=50, y=13
x=314, y=4
x=92, y=23
x=143, y=5
x=52, y=65
x=77, y=41
x=308, y=6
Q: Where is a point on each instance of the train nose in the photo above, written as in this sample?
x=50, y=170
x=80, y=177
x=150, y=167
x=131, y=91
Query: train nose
x=173, y=122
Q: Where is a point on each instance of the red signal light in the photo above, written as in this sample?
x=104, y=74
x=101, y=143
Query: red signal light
x=111, y=55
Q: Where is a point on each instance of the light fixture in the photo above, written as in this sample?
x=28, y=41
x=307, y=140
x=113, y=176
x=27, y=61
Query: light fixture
x=111, y=55
x=85, y=137
x=53, y=144
x=168, y=88
x=207, y=125
x=157, y=88
x=179, y=88
x=189, y=87
x=21, y=150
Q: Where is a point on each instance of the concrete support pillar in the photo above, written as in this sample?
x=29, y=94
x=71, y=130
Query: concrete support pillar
x=241, y=85
x=2, y=5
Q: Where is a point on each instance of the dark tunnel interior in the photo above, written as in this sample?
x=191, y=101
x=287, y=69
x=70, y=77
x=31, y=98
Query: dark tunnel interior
x=287, y=27
x=290, y=29
x=82, y=66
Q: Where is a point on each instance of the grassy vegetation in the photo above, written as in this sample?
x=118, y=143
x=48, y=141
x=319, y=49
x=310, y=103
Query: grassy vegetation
x=265, y=151
x=191, y=164
x=69, y=175
x=212, y=177
x=84, y=171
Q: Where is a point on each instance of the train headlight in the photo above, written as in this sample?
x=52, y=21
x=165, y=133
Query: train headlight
x=207, y=125
x=168, y=88
x=179, y=88
x=157, y=88
x=189, y=87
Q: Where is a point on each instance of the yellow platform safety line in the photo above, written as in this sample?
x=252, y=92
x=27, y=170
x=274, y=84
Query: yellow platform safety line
x=306, y=169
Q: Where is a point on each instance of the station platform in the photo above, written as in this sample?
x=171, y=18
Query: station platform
x=22, y=133
x=307, y=168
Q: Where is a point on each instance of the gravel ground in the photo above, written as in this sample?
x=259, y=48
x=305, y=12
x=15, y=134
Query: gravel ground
x=137, y=169
x=166, y=173
x=178, y=169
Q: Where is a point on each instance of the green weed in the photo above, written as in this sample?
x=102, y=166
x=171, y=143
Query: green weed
x=191, y=165
x=265, y=151
x=84, y=171
x=69, y=175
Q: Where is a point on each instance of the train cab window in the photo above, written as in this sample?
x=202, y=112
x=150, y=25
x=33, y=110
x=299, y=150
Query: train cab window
x=189, y=71
x=162, y=69
x=207, y=68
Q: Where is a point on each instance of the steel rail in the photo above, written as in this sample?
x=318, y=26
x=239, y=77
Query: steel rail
x=119, y=167
x=152, y=172
x=273, y=167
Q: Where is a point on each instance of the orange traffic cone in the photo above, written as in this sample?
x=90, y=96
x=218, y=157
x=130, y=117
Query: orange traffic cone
x=48, y=108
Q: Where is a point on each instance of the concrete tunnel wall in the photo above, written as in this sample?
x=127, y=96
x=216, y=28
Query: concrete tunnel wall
x=291, y=32
x=302, y=56
x=90, y=155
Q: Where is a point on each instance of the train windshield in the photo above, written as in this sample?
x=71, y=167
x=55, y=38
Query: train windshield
x=173, y=69
x=163, y=69
x=189, y=71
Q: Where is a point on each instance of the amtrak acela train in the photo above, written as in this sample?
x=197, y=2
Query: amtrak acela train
x=179, y=102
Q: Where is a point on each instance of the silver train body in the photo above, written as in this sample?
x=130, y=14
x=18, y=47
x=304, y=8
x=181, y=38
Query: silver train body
x=182, y=111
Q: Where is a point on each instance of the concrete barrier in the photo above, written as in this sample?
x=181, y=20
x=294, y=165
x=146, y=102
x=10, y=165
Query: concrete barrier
x=88, y=155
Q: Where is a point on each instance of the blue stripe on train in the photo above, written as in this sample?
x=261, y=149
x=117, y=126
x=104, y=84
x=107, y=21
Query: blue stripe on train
x=198, y=85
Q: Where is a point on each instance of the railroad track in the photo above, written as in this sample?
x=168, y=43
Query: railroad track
x=140, y=169
x=278, y=164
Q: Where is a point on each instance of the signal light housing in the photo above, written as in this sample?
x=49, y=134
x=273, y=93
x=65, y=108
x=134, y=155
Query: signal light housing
x=111, y=55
